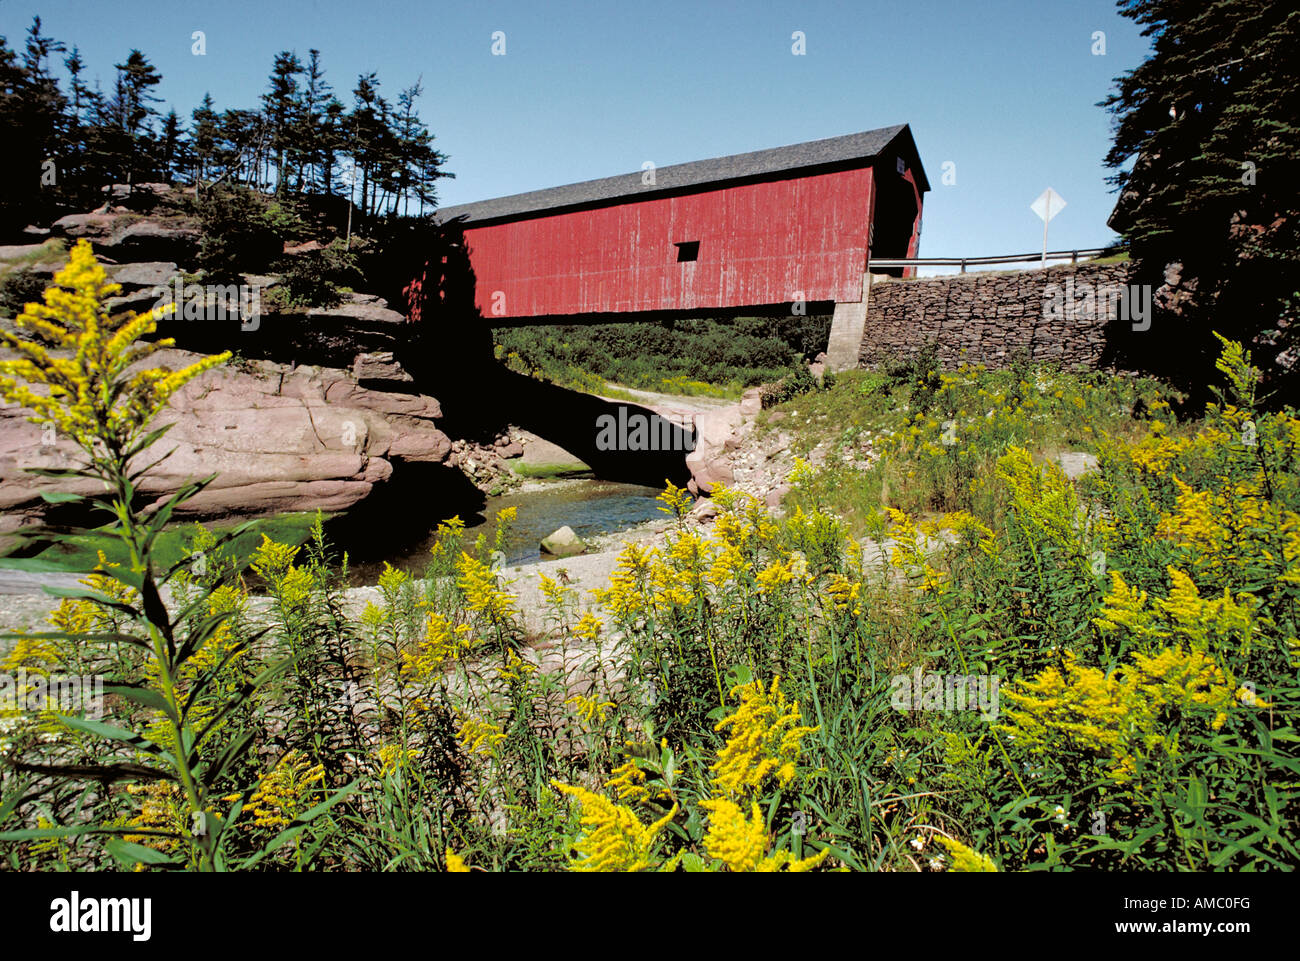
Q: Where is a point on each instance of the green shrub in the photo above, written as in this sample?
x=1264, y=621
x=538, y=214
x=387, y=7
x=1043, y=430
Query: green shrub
x=314, y=278
x=800, y=381
x=237, y=238
x=20, y=287
x=285, y=220
x=692, y=356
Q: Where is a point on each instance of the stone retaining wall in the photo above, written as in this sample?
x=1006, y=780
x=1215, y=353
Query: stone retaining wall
x=991, y=318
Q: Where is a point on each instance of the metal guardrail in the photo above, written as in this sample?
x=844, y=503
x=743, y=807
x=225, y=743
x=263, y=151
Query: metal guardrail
x=1072, y=255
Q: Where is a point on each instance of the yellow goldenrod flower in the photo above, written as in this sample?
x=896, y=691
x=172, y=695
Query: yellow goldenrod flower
x=765, y=739
x=479, y=737
x=1120, y=717
x=482, y=593
x=1042, y=498
x=272, y=561
x=392, y=580
x=426, y=661
x=373, y=616
x=284, y=793
x=74, y=617
x=555, y=595
x=87, y=394
x=505, y=518
x=295, y=589
x=842, y=592
x=393, y=758
x=965, y=859
x=615, y=839
x=515, y=669
x=741, y=843
x=737, y=841
x=1203, y=623
x=622, y=598
x=588, y=627
x=773, y=577
x=36, y=655
x=589, y=708
x=629, y=782
x=455, y=864
x=724, y=568
x=675, y=500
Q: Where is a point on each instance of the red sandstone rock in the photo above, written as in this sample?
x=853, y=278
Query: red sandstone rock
x=714, y=430
x=96, y=225
x=306, y=248
x=279, y=440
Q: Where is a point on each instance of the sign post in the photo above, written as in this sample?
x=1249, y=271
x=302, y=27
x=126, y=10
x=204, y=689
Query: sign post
x=1047, y=206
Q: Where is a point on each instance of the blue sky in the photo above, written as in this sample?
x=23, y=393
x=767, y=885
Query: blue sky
x=1004, y=89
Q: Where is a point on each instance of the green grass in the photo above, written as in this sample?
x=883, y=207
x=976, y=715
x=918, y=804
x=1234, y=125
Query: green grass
x=902, y=416
x=53, y=250
x=78, y=553
x=614, y=392
x=17, y=285
x=549, y=471
x=675, y=387
x=710, y=357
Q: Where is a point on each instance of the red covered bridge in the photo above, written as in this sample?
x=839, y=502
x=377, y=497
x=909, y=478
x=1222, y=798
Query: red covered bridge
x=762, y=230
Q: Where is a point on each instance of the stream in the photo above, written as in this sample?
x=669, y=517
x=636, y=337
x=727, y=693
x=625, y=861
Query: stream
x=589, y=506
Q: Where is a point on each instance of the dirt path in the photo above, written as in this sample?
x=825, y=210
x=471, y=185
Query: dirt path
x=691, y=404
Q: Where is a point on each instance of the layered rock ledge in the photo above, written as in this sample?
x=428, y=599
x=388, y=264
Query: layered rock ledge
x=279, y=438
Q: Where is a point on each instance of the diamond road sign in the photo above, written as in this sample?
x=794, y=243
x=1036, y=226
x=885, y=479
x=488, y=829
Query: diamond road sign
x=1048, y=204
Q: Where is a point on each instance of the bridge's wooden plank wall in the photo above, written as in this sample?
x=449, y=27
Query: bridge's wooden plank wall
x=762, y=229
x=803, y=238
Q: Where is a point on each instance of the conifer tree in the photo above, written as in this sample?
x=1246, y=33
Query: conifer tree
x=298, y=140
x=1210, y=125
x=283, y=107
x=317, y=95
x=205, y=129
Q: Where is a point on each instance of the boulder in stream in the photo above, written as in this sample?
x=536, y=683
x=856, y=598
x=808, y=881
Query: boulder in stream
x=563, y=543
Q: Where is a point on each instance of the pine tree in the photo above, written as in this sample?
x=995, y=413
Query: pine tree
x=15, y=180
x=385, y=158
x=136, y=77
x=131, y=110
x=316, y=97
x=366, y=132
x=1211, y=125
x=418, y=161
x=333, y=140
x=173, y=147
x=75, y=144
x=244, y=146
x=412, y=140
x=43, y=102
x=206, y=130
x=33, y=117
x=282, y=111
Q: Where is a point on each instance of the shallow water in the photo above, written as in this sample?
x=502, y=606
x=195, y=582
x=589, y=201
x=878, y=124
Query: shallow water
x=590, y=507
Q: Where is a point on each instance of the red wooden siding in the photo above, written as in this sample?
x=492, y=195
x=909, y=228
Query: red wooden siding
x=760, y=244
x=914, y=243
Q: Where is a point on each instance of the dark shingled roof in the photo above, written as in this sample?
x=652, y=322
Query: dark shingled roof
x=842, y=151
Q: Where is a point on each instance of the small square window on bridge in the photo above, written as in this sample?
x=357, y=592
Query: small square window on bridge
x=687, y=250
